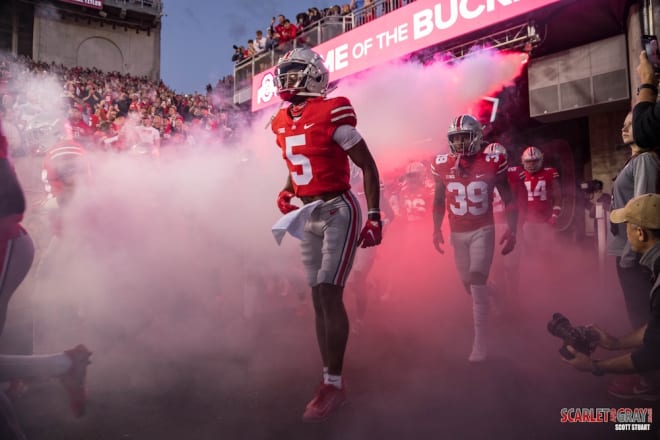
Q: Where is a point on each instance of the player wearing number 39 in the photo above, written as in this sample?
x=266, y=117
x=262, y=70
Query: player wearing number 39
x=317, y=136
x=464, y=183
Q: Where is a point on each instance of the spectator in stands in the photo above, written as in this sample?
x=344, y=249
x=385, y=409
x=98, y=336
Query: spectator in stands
x=239, y=54
x=302, y=21
x=178, y=132
x=122, y=104
x=287, y=33
x=148, y=136
x=76, y=128
x=271, y=40
x=157, y=123
x=70, y=92
x=346, y=9
x=92, y=97
x=277, y=23
x=314, y=15
x=357, y=4
x=251, y=49
x=260, y=42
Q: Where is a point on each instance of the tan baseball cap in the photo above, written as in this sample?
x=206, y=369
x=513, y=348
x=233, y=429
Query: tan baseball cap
x=642, y=211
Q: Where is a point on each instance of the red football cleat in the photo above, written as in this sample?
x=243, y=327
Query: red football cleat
x=328, y=399
x=74, y=379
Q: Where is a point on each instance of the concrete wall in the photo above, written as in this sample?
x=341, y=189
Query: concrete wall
x=90, y=45
x=605, y=128
x=604, y=135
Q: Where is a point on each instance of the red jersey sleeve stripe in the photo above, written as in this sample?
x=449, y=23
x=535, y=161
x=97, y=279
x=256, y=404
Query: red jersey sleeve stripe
x=341, y=109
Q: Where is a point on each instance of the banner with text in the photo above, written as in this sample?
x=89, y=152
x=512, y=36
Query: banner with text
x=96, y=4
x=413, y=27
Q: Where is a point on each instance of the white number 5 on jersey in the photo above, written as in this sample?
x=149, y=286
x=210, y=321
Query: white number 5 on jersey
x=305, y=176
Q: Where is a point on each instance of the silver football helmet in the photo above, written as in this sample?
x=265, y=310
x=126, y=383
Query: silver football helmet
x=532, y=159
x=301, y=72
x=495, y=149
x=465, y=135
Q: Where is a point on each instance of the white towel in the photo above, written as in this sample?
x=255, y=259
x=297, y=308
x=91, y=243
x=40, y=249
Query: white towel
x=294, y=222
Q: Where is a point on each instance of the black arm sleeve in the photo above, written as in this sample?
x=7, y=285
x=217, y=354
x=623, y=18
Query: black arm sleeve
x=12, y=200
x=646, y=124
x=647, y=357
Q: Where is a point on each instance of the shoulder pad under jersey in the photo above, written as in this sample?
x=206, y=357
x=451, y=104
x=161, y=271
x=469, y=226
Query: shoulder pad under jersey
x=340, y=110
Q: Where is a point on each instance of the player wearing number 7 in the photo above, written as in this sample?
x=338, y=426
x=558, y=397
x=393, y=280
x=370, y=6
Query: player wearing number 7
x=464, y=183
x=317, y=135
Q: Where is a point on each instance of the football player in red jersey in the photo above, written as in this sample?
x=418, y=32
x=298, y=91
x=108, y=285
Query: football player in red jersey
x=543, y=197
x=16, y=256
x=506, y=270
x=464, y=183
x=317, y=136
x=415, y=193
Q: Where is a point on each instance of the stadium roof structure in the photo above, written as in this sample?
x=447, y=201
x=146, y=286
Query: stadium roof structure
x=141, y=15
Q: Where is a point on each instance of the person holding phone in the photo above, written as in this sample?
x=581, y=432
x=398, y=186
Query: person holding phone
x=646, y=113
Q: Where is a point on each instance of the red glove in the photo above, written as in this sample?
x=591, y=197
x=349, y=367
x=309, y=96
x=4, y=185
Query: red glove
x=372, y=234
x=438, y=240
x=284, y=201
x=509, y=241
x=555, y=213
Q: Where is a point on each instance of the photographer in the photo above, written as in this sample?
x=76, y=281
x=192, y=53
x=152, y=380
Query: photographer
x=239, y=54
x=642, y=218
x=594, y=195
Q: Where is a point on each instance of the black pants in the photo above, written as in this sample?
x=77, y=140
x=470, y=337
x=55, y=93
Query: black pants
x=636, y=285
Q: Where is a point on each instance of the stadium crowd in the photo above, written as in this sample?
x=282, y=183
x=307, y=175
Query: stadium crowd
x=282, y=31
x=108, y=110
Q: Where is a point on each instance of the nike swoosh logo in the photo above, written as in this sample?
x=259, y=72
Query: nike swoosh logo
x=306, y=126
x=637, y=390
x=479, y=176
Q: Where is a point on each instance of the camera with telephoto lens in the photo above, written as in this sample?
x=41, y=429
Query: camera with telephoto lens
x=582, y=339
x=591, y=186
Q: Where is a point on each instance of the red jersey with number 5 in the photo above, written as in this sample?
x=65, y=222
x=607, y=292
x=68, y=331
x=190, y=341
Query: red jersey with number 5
x=317, y=164
x=469, y=188
x=540, y=196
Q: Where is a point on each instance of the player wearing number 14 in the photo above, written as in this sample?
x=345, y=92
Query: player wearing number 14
x=543, y=199
x=543, y=190
x=464, y=183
